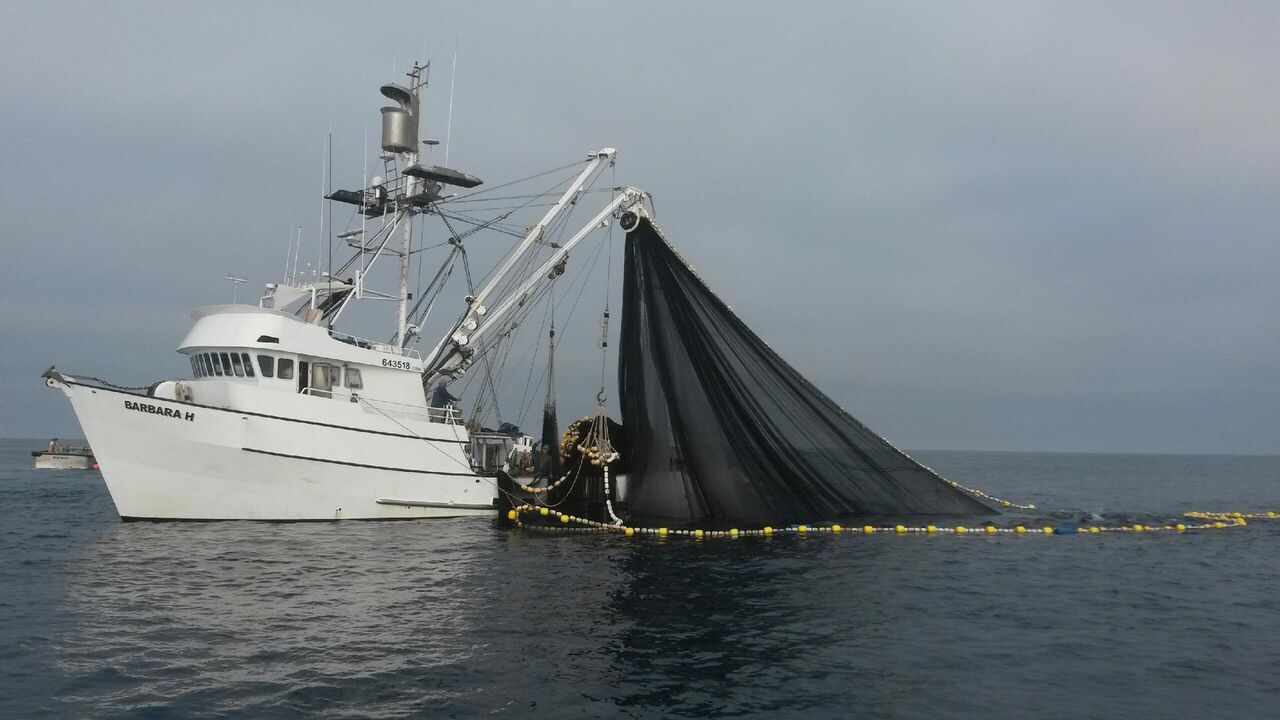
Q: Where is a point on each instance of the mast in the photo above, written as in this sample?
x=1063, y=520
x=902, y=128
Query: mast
x=409, y=189
x=403, y=311
x=412, y=182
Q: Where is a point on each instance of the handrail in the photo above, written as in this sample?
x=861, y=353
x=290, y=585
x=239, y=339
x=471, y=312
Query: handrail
x=446, y=415
x=375, y=345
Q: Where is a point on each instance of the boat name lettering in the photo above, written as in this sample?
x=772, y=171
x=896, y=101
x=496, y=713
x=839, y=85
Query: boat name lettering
x=398, y=364
x=157, y=410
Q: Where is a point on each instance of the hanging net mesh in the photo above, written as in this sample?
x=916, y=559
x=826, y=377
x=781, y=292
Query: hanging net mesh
x=719, y=427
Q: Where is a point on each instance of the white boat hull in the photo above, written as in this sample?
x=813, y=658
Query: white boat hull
x=63, y=461
x=170, y=460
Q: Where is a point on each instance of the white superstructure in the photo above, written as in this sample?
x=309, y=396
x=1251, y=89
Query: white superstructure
x=285, y=418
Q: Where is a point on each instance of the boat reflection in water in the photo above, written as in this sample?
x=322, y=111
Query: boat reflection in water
x=272, y=615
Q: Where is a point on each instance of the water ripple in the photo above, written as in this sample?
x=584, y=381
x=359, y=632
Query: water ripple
x=462, y=619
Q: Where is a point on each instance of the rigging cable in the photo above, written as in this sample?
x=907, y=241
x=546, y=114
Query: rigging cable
x=523, y=179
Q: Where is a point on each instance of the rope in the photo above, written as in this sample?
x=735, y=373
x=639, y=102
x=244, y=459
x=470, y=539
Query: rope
x=1225, y=521
x=517, y=182
x=113, y=386
x=416, y=435
x=608, y=499
x=992, y=498
x=1230, y=516
x=540, y=490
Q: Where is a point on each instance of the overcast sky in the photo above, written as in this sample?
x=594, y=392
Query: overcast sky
x=1009, y=226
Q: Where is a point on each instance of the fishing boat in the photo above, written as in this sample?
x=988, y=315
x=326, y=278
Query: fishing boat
x=285, y=417
x=62, y=457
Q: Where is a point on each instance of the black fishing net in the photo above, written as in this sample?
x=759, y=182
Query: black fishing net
x=719, y=427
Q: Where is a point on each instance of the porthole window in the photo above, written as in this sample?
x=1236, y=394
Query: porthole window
x=248, y=364
x=285, y=369
x=235, y=364
x=353, y=379
x=267, y=365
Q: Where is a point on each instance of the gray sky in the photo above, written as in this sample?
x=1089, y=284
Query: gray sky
x=977, y=226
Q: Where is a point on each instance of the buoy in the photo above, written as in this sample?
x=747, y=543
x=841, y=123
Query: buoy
x=899, y=529
x=836, y=528
x=991, y=529
x=1020, y=530
x=867, y=529
x=564, y=519
x=662, y=531
x=544, y=512
x=931, y=529
x=511, y=514
x=698, y=534
x=733, y=533
x=1180, y=527
x=960, y=529
x=768, y=530
x=1138, y=528
x=803, y=529
x=1048, y=531
x=1094, y=531
x=629, y=531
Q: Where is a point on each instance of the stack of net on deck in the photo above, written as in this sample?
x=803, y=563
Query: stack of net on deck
x=720, y=428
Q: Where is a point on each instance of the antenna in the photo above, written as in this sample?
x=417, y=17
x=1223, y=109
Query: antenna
x=328, y=239
x=453, y=78
x=324, y=177
x=288, y=248
x=297, y=250
x=363, y=217
x=235, y=293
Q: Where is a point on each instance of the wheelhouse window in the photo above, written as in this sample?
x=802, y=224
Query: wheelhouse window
x=195, y=372
x=204, y=366
x=284, y=370
x=248, y=364
x=235, y=364
x=217, y=365
x=353, y=378
x=267, y=365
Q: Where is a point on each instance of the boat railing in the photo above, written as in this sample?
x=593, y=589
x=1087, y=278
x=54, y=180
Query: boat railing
x=375, y=345
x=449, y=415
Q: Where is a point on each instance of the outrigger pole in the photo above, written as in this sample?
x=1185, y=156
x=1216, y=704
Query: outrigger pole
x=452, y=354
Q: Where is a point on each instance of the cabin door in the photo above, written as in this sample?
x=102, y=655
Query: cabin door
x=304, y=375
x=322, y=378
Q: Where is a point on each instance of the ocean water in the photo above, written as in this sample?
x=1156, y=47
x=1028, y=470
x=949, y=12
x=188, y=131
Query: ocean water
x=100, y=618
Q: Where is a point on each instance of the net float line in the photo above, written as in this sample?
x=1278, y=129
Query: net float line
x=572, y=523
